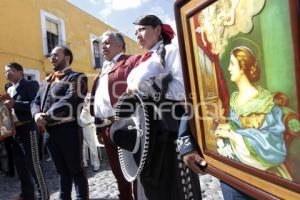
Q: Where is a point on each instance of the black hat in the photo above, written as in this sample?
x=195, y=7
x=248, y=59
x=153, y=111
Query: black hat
x=130, y=133
x=125, y=134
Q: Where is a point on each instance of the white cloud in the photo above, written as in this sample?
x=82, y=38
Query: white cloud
x=95, y=1
x=118, y=5
x=125, y=4
x=160, y=12
x=109, y=7
x=105, y=12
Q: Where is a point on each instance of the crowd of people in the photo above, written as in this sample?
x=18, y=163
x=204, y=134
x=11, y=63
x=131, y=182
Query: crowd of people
x=60, y=109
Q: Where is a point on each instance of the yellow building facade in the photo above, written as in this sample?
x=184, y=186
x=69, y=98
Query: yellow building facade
x=30, y=28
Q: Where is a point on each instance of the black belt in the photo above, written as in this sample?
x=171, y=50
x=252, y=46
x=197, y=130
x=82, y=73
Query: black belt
x=60, y=122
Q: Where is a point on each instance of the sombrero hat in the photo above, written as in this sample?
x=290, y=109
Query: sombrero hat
x=131, y=132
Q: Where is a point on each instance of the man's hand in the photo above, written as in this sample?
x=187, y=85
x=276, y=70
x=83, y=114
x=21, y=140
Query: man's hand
x=9, y=103
x=40, y=121
x=194, y=161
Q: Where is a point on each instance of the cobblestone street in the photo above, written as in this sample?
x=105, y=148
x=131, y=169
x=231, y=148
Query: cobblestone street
x=102, y=184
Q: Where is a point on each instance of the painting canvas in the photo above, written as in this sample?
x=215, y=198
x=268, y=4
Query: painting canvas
x=242, y=69
x=261, y=124
x=6, y=124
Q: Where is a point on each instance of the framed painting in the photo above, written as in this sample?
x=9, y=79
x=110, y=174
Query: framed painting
x=7, y=127
x=241, y=65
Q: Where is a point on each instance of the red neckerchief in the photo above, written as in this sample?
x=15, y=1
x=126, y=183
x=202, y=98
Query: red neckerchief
x=145, y=57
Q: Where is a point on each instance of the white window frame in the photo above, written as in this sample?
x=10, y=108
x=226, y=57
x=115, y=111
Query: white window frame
x=61, y=29
x=34, y=72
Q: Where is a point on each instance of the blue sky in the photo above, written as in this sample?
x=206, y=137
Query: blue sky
x=121, y=13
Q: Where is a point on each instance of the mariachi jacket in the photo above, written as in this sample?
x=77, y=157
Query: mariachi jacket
x=118, y=73
x=25, y=94
x=61, y=99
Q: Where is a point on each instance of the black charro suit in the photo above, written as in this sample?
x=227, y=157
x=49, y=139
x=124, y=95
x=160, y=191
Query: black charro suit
x=25, y=94
x=62, y=100
x=22, y=142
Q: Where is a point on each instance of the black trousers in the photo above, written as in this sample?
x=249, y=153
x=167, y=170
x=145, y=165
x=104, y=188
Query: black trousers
x=22, y=154
x=64, y=142
x=8, y=142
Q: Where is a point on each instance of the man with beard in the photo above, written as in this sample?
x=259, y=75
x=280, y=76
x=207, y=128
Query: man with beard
x=107, y=88
x=55, y=110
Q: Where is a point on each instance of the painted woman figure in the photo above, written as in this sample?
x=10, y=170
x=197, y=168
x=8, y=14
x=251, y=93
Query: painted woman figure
x=254, y=134
x=162, y=176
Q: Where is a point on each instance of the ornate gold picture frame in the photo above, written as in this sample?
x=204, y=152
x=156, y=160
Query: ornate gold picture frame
x=241, y=64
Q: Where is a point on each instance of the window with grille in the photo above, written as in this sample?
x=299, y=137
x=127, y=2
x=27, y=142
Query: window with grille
x=97, y=54
x=53, y=31
x=52, y=35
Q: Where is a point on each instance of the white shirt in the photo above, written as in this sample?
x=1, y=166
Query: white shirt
x=102, y=103
x=12, y=91
x=152, y=67
x=85, y=116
